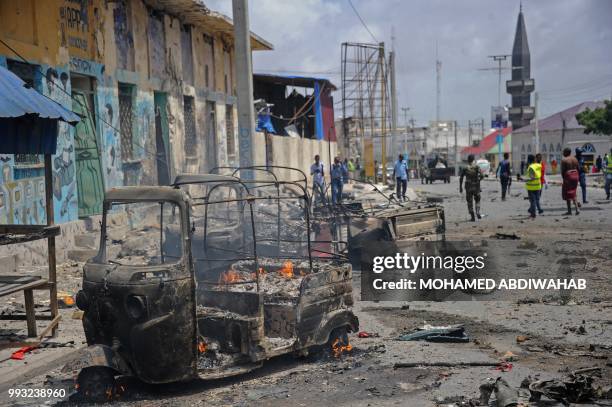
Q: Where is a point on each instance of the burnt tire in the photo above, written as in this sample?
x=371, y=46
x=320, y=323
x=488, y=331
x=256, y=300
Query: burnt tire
x=97, y=384
x=340, y=333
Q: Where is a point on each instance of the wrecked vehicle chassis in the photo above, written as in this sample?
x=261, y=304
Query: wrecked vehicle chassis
x=156, y=321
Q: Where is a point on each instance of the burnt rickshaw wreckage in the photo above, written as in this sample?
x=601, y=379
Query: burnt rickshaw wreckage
x=201, y=279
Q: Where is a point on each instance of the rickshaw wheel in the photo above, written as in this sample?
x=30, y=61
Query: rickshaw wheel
x=97, y=383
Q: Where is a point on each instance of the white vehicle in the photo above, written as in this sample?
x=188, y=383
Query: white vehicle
x=484, y=165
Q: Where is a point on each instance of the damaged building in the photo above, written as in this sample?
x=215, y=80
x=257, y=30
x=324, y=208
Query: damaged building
x=153, y=80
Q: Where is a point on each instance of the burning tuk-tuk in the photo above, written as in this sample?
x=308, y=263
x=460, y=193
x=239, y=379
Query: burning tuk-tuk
x=180, y=290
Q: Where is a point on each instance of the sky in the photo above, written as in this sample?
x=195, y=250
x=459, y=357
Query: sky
x=570, y=43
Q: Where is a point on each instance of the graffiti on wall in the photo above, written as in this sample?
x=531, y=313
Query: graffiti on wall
x=57, y=87
x=81, y=28
x=124, y=40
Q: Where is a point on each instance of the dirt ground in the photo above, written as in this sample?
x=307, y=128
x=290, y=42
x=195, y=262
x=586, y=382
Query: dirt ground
x=546, y=336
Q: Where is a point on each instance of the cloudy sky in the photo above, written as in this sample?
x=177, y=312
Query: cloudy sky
x=570, y=43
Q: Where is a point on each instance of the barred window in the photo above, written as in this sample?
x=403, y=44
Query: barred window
x=126, y=113
x=191, y=143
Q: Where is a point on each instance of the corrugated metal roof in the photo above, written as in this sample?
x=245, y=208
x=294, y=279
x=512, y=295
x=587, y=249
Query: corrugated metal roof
x=292, y=80
x=486, y=143
x=555, y=121
x=17, y=100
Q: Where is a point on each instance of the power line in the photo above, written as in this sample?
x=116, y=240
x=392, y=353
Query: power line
x=362, y=22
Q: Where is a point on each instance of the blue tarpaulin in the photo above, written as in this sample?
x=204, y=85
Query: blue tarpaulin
x=28, y=119
x=264, y=123
x=318, y=113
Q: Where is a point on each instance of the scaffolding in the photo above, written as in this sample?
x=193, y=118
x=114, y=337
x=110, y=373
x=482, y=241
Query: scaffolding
x=365, y=103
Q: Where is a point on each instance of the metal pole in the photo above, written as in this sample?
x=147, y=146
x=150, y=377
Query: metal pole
x=383, y=121
x=537, y=130
x=456, y=150
x=393, y=97
x=244, y=82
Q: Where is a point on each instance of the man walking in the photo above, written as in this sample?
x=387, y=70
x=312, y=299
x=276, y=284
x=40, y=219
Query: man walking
x=337, y=175
x=401, y=178
x=472, y=177
x=608, y=172
x=533, y=184
x=543, y=183
x=505, y=174
x=317, y=170
x=581, y=174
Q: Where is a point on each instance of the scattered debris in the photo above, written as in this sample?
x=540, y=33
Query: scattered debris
x=521, y=338
x=575, y=387
x=364, y=334
x=506, y=236
x=505, y=396
x=444, y=364
x=437, y=334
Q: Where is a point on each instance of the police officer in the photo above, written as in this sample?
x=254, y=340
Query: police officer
x=472, y=177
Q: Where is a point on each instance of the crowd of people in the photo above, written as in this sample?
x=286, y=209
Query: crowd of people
x=533, y=173
x=573, y=173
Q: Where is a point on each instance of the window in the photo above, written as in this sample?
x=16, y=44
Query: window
x=126, y=113
x=529, y=148
x=153, y=234
x=543, y=148
x=191, y=143
x=523, y=148
x=229, y=128
x=558, y=146
x=206, y=76
x=187, y=54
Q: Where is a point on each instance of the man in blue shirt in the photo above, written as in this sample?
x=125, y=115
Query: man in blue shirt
x=337, y=175
x=504, y=172
x=400, y=172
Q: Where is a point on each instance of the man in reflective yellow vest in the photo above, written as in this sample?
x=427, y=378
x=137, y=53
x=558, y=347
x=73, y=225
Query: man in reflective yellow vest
x=533, y=184
x=608, y=171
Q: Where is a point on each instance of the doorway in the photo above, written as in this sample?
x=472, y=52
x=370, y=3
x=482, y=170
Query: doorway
x=162, y=157
x=89, y=176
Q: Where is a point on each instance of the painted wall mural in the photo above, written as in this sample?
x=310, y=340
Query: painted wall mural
x=57, y=87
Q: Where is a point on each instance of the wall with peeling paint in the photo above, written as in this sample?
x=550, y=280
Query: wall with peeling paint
x=126, y=42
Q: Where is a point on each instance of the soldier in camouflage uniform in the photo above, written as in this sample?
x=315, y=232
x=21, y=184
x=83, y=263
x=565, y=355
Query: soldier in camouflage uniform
x=472, y=177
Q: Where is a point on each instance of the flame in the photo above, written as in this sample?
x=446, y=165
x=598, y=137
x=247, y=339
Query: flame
x=229, y=277
x=287, y=269
x=201, y=346
x=338, y=347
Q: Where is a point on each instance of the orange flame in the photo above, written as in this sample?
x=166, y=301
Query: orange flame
x=229, y=277
x=338, y=347
x=201, y=346
x=287, y=269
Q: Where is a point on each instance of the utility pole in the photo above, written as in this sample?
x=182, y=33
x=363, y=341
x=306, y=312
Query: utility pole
x=405, y=110
x=383, y=126
x=244, y=82
x=456, y=150
x=393, y=88
x=499, y=59
x=393, y=97
x=537, y=129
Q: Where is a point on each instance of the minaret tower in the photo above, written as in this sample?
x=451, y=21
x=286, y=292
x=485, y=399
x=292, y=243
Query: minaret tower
x=521, y=85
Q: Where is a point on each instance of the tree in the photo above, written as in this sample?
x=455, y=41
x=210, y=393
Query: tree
x=598, y=121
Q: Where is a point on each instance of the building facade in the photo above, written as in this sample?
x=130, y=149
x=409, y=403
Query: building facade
x=556, y=132
x=154, y=83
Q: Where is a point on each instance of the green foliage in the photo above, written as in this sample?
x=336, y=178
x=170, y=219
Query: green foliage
x=598, y=121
